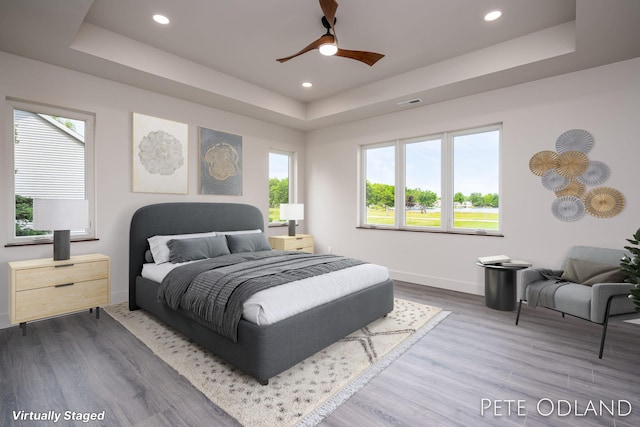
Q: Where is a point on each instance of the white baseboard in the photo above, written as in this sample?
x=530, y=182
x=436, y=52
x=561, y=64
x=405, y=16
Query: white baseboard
x=439, y=282
x=4, y=321
x=119, y=297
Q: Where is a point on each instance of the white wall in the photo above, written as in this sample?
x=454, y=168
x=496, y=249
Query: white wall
x=113, y=105
x=605, y=101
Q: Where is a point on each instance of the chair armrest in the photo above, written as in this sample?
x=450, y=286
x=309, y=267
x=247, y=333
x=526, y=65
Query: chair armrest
x=528, y=276
x=600, y=293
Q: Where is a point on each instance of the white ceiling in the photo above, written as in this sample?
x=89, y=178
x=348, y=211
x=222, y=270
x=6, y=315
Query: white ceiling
x=222, y=53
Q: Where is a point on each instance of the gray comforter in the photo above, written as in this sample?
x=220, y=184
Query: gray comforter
x=213, y=291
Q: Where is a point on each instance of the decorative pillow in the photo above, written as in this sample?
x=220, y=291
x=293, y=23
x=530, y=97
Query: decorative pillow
x=158, y=244
x=248, y=242
x=148, y=256
x=183, y=250
x=589, y=273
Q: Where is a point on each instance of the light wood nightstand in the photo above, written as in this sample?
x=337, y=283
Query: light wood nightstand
x=299, y=242
x=41, y=288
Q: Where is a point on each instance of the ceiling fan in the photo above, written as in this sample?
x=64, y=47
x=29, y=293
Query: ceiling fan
x=327, y=44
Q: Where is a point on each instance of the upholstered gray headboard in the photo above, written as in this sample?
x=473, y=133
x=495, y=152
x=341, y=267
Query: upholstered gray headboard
x=183, y=218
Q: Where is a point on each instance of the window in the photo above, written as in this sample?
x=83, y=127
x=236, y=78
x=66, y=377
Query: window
x=52, y=154
x=280, y=182
x=446, y=182
x=380, y=185
x=423, y=177
x=476, y=180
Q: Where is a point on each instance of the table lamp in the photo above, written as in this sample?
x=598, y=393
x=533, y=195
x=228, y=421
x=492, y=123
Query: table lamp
x=292, y=212
x=61, y=216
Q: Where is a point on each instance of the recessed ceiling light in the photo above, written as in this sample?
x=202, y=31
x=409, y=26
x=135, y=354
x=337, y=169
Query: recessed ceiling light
x=492, y=16
x=307, y=84
x=161, y=19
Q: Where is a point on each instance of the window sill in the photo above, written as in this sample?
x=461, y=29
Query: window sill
x=415, y=230
x=277, y=224
x=47, y=242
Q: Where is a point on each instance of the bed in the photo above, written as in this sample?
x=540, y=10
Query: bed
x=262, y=351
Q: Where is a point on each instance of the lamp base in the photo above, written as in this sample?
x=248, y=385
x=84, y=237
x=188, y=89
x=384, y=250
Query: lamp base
x=292, y=227
x=61, y=245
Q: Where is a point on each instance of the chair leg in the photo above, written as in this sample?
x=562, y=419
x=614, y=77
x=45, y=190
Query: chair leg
x=604, y=335
x=518, y=315
x=604, y=325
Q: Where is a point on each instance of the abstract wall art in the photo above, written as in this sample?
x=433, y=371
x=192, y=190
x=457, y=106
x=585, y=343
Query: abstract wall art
x=220, y=163
x=569, y=171
x=160, y=155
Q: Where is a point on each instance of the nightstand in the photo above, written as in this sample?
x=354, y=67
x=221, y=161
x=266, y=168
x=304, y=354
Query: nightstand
x=299, y=242
x=41, y=288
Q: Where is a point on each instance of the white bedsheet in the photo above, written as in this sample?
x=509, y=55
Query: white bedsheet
x=277, y=303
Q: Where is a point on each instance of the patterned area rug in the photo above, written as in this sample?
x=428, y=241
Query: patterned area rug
x=302, y=395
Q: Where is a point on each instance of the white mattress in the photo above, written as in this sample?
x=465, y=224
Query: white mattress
x=277, y=303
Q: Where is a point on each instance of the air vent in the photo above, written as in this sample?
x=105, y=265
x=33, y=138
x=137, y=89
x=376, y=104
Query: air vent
x=414, y=101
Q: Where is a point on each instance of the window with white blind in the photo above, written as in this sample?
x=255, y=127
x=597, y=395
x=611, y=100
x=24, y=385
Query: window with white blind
x=51, y=158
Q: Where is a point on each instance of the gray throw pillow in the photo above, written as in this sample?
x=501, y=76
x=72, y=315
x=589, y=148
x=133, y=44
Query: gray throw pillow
x=248, y=242
x=589, y=273
x=183, y=250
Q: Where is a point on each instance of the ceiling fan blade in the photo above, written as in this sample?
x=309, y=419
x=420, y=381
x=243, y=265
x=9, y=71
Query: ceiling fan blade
x=368, y=58
x=329, y=8
x=314, y=45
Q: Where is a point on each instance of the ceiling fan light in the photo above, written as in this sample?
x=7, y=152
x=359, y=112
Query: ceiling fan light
x=328, y=49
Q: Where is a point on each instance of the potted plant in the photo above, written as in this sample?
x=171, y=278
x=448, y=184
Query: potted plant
x=630, y=265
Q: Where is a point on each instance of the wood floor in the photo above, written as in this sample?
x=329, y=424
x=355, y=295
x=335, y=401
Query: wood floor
x=475, y=356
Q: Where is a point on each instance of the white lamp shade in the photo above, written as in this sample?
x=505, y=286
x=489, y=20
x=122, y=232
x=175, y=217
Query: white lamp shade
x=292, y=211
x=60, y=214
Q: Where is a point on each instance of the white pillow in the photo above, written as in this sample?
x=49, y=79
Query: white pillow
x=224, y=233
x=159, y=248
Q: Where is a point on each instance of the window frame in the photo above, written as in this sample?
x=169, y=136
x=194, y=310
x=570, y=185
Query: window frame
x=447, y=163
x=292, y=174
x=89, y=167
x=362, y=207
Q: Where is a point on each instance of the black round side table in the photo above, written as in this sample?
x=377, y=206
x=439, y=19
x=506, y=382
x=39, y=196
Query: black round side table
x=500, y=285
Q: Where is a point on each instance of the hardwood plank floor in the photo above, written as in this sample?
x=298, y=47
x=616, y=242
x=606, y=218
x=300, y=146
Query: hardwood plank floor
x=82, y=364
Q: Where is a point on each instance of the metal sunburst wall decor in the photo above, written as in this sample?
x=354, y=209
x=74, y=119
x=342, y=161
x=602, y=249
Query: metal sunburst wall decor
x=568, y=171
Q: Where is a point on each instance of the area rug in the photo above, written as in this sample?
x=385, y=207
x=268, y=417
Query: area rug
x=304, y=394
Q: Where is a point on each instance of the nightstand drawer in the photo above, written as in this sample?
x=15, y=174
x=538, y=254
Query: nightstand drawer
x=45, y=302
x=49, y=276
x=298, y=243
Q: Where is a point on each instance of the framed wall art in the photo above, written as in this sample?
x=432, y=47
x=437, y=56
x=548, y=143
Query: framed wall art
x=220, y=162
x=160, y=155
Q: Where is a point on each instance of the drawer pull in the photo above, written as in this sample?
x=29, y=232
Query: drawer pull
x=63, y=285
x=64, y=265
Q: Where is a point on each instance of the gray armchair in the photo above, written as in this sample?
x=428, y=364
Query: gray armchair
x=603, y=296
